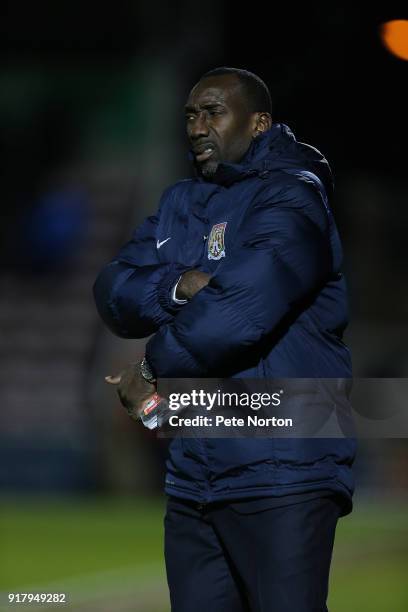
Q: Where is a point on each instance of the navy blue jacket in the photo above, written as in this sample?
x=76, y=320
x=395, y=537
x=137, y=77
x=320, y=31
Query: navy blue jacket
x=276, y=306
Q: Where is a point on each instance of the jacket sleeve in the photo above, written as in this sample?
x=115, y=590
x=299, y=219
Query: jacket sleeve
x=282, y=257
x=133, y=292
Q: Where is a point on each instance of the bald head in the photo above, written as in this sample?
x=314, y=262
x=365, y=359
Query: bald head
x=253, y=88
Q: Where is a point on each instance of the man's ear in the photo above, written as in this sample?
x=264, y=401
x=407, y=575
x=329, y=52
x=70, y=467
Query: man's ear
x=262, y=123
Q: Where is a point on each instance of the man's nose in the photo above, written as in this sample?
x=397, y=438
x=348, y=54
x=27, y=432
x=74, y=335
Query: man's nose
x=198, y=127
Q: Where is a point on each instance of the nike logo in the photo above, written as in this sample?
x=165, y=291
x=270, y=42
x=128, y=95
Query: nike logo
x=159, y=244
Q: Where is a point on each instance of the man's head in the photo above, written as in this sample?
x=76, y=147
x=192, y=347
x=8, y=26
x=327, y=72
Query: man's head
x=225, y=111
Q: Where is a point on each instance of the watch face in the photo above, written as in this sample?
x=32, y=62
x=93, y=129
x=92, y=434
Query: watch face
x=146, y=371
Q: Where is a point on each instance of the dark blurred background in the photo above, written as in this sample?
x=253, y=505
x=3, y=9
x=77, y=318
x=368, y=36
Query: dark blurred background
x=91, y=132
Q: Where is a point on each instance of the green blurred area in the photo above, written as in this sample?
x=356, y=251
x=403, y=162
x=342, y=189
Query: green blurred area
x=108, y=554
x=104, y=107
x=370, y=561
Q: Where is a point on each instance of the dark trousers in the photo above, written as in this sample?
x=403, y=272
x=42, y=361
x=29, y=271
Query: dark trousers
x=249, y=557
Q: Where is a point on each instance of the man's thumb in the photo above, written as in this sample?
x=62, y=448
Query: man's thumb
x=113, y=380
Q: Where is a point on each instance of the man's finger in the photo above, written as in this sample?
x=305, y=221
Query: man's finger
x=113, y=380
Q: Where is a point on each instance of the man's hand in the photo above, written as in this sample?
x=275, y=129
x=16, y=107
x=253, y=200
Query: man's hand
x=190, y=283
x=132, y=389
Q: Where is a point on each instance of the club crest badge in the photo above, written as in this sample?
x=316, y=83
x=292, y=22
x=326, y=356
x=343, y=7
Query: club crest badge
x=216, y=242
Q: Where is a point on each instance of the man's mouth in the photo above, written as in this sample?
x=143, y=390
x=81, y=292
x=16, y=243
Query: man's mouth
x=204, y=152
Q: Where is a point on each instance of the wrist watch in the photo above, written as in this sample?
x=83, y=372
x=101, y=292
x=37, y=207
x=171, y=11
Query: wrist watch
x=146, y=371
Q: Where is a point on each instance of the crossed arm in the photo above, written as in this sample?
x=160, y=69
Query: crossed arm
x=132, y=388
x=283, y=255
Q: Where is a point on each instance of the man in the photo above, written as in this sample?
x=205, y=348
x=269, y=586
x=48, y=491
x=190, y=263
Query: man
x=238, y=275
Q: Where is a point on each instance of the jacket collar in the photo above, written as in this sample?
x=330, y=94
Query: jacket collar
x=274, y=150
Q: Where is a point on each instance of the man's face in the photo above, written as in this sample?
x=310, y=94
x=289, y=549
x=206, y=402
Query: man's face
x=219, y=125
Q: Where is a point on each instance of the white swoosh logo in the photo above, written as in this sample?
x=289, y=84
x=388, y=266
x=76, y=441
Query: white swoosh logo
x=159, y=244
